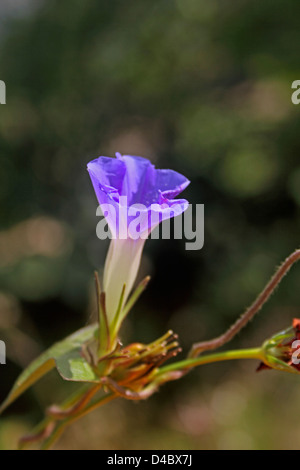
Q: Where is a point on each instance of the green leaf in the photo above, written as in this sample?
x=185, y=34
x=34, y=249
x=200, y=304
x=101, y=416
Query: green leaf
x=72, y=366
x=66, y=355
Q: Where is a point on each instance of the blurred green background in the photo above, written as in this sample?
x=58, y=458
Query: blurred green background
x=203, y=87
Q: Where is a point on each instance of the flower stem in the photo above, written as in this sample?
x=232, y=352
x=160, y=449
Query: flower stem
x=254, y=353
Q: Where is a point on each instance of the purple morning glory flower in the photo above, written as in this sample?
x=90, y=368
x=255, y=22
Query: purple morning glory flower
x=125, y=186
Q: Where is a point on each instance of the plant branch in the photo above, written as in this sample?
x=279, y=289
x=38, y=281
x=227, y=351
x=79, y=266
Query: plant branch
x=184, y=366
x=263, y=297
x=60, y=428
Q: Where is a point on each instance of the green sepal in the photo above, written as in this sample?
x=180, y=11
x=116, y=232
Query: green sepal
x=278, y=364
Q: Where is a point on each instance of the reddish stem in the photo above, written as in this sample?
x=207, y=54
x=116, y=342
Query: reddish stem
x=263, y=297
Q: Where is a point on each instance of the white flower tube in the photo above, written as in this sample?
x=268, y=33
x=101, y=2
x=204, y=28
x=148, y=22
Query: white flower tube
x=121, y=267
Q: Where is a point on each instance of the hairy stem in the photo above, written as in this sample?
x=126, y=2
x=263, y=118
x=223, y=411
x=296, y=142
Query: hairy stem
x=263, y=297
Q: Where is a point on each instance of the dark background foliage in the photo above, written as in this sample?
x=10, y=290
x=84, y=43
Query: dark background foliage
x=199, y=86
